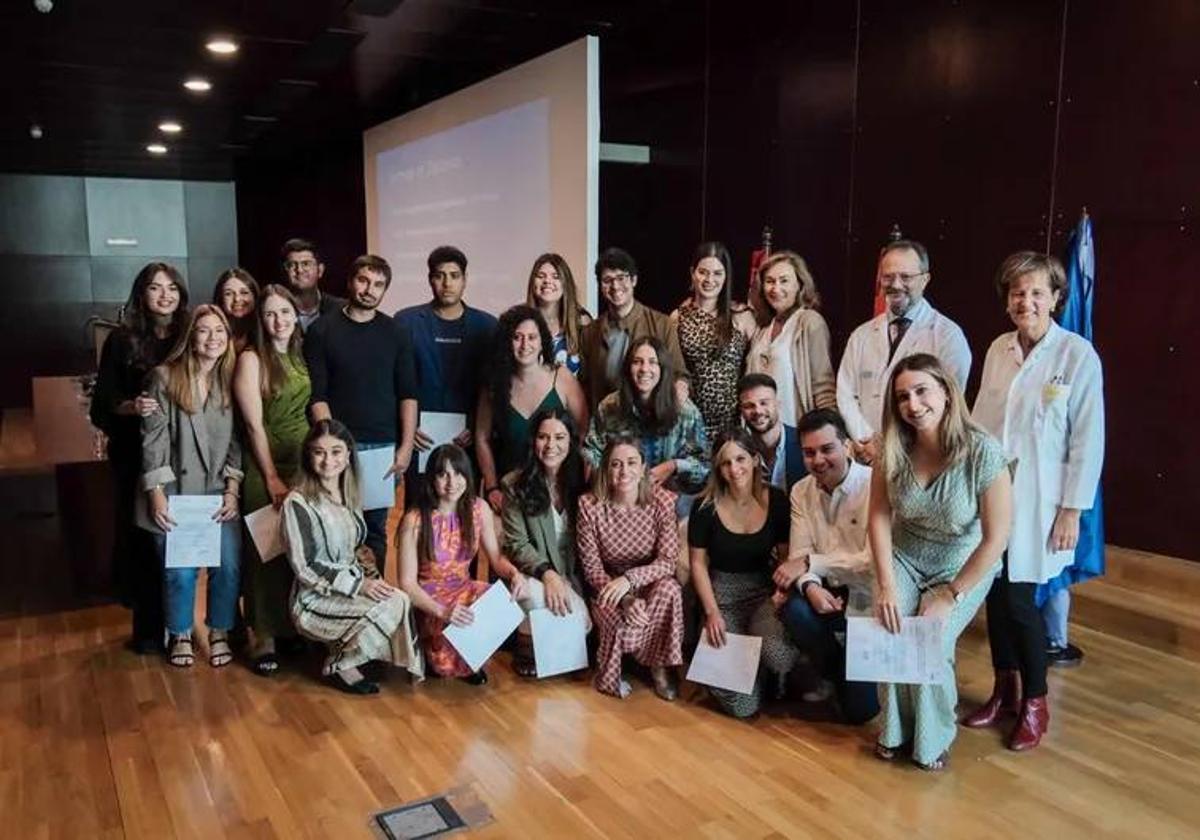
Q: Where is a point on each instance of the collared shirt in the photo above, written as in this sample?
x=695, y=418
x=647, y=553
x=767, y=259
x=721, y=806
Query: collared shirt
x=831, y=528
x=778, y=476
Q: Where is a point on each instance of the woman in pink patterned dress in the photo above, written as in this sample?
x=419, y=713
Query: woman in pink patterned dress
x=628, y=542
x=438, y=540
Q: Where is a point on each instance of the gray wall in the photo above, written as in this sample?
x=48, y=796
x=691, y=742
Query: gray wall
x=70, y=247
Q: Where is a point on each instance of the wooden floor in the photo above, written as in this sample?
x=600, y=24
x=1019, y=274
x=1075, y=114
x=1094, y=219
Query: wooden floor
x=95, y=742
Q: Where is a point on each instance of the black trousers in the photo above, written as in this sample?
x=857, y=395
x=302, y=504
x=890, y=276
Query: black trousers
x=1016, y=632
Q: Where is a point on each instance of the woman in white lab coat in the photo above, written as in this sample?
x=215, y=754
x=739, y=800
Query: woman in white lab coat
x=1042, y=396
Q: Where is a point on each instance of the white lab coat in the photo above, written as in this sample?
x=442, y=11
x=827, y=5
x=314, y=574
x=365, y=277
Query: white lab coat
x=1048, y=412
x=863, y=374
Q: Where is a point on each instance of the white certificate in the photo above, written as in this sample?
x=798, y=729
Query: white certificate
x=559, y=642
x=265, y=526
x=913, y=656
x=496, y=616
x=443, y=427
x=378, y=489
x=196, y=538
x=733, y=666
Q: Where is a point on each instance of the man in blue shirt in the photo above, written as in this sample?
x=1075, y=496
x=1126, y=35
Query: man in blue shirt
x=450, y=341
x=778, y=444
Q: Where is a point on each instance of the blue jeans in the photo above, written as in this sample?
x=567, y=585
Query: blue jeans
x=813, y=633
x=1055, y=612
x=179, y=585
x=377, y=519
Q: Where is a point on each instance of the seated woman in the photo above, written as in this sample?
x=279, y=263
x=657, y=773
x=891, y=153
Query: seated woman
x=628, y=542
x=438, y=539
x=189, y=449
x=540, y=503
x=523, y=381
x=552, y=292
x=668, y=431
x=339, y=597
x=941, y=506
x=737, y=532
x=237, y=294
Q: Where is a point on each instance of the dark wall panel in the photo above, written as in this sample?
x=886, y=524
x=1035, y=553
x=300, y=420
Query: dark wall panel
x=48, y=280
x=210, y=218
x=148, y=213
x=42, y=215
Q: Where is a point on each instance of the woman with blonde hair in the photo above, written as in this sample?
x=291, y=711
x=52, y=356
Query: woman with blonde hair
x=552, y=292
x=793, y=346
x=737, y=533
x=941, y=505
x=272, y=388
x=628, y=544
x=189, y=449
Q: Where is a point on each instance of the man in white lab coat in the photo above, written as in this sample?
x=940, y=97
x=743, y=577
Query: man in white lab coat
x=907, y=325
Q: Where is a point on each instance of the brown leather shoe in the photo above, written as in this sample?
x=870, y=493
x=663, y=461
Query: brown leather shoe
x=664, y=686
x=1031, y=725
x=1005, y=700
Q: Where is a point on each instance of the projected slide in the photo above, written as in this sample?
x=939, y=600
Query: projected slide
x=466, y=186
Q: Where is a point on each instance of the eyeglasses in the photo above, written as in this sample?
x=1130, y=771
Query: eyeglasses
x=295, y=265
x=903, y=278
x=610, y=280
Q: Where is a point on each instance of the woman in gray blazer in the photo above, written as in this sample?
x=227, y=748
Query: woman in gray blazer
x=539, y=508
x=189, y=449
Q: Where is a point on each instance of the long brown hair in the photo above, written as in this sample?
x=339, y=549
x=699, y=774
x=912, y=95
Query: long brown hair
x=183, y=369
x=273, y=374
x=663, y=410
x=602, y=490
x=569, y=312
x=716, y=487
x=309, y=483
x=720, y=253
x=954, y=431
x=446, y=455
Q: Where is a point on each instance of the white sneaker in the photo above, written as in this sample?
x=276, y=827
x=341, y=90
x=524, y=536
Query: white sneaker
x=821, y=693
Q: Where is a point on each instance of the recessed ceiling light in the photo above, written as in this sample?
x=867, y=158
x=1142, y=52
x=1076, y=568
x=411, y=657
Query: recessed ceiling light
x=170, y=127
x=222, y=46
x=198, y=85
x=156, y=149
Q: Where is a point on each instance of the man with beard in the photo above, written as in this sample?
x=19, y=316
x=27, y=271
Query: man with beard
x=361, y=364
x=829, y=558
x=450, y=342
x=777, y=443
x=908, y=325
x=303, y=270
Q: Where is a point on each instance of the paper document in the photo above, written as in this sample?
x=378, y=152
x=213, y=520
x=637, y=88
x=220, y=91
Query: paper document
x=378, y=489
x=734, y=666
x=266, y=529
x=496, y=616
x=196, y=538
x=912, y=656
x=443, y=427
x=559, y=642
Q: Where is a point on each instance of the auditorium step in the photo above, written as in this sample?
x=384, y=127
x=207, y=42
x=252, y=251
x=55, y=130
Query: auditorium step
x=1145, y=598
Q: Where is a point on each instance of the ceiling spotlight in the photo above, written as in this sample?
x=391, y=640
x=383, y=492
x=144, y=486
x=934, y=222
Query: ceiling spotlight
x=170, y=127
x=222, y=46
x=44, y=6
x=198, y=85
x=156, y=149
x=35, y=131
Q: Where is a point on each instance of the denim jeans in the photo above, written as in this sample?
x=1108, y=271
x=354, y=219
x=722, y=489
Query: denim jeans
x=179, y=585
x=1055, y=612
x=813, y=633
x=377, y=519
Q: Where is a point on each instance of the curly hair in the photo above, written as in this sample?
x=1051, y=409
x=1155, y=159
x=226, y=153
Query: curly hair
x=503, y=365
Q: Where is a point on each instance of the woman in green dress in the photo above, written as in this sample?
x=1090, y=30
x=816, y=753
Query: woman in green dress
x=941, y=507
x=272, y=390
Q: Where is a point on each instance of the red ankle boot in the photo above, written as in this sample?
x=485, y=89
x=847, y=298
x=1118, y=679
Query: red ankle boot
x=1031, y=725
x=1005, y=700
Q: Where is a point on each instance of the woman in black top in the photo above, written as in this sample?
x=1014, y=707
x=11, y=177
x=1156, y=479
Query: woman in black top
x=154, y=316
x=737, y=533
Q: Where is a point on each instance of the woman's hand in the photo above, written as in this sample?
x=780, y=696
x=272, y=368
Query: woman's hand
x=636, y=613
x=936, y=602
x=863, y=451
x=614, y=591
x=714, y=629
x=822, y=600
x=558, y=593
x=377, y=589
x=144, y=406
x=789, y=571
x=276, y=490
x=887, y=609
x=228, y=509
x=519, y=586
x=663, y=472
x=495, y=499
x=1064, y=533
x=458, y=615
x=159, y=510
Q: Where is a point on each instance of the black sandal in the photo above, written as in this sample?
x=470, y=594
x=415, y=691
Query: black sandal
x=480, y=677
x=362, y=687
x=938, y=764
x=884, y=753
x=265, y=665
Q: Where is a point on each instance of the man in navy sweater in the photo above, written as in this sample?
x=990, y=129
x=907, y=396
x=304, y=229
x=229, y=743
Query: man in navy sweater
x=361, y=364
